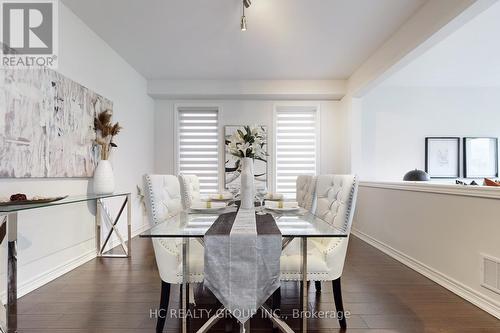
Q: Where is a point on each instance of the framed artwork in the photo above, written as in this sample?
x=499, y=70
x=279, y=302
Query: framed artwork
x=442, y=157
x=232, y=163
x=480, y=157
x=47, y=125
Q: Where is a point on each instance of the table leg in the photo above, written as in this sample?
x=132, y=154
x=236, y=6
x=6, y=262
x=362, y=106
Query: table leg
x=101, y=212
x=304, y=284
x=98, y=219
x=185, y=283
x=245, y=328
x=8, y=233
x=129, y=225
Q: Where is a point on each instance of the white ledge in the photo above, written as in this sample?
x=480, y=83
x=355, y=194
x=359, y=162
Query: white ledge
x=461, y=190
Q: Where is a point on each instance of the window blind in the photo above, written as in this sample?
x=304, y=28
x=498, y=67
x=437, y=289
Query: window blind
x=296, y=139
x=197, y=145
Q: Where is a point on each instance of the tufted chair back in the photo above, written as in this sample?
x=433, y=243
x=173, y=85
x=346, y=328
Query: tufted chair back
x=306, y=190
x=162, y=197
x=336, y=202
x=336, y=199
x=190, y=189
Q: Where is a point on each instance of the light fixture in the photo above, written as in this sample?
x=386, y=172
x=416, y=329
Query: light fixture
x=243, y=22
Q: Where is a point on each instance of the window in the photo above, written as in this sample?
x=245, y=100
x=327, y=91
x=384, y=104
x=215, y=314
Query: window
x=197, y=142
x=296, y=145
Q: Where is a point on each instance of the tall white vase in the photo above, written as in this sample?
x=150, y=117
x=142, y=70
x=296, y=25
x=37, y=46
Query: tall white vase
x=247, y=185
x=104, y=180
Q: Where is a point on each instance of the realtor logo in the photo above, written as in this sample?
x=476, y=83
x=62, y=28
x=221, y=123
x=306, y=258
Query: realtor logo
x=29, y=33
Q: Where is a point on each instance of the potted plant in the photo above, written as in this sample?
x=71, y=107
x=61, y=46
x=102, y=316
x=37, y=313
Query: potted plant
x=106, y=131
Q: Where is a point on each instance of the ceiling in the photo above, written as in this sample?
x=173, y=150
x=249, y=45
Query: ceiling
x=470, y=57
x=286, y=39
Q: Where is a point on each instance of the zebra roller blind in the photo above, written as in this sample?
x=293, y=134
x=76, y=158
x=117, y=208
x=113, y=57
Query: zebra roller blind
x=198, y=145
x=296, y=146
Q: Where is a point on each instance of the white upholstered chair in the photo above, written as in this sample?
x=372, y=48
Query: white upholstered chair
x=306, y=191
x=335, y=203
x=190, y=189
x=305, y=195
x=163, y=202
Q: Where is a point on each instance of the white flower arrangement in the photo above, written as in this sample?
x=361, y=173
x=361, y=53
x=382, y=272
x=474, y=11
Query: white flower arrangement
x=248, y=142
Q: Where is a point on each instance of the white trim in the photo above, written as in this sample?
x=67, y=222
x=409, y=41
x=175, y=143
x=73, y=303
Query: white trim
x=56, y=272
x=482, y=301
x=53, y=273
x=427, y=187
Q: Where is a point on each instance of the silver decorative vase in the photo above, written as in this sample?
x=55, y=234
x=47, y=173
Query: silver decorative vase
x=247, y=189
x=104, y=179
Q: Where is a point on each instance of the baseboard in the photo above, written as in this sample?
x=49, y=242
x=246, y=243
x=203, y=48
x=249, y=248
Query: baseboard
x=52, y=274
x=483, y=302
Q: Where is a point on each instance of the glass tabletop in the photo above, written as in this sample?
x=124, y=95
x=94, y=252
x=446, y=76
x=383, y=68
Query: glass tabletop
x=67, y=200
x=291, y=224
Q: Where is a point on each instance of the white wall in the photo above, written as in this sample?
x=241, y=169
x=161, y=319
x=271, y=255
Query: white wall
x=440, y=235
x=395, y=121
x=236, y=112
x=53, y=240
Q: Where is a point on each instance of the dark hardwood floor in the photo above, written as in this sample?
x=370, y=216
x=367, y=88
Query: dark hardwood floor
x=116, y=295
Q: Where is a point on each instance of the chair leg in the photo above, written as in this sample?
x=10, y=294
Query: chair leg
x=337, y=296
x=277, y=299
x=317, y=284
x=165, y=295
x=276, y=305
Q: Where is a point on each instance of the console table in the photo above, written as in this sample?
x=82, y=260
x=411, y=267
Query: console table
x=8, y=233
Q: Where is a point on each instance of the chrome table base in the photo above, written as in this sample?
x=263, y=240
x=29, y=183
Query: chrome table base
x=269, y=313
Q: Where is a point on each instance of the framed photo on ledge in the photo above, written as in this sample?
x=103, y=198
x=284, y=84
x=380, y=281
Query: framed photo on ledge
x=442, y=157
x=480, y=157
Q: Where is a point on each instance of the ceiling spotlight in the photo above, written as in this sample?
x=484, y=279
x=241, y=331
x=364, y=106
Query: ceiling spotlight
x=243, y=22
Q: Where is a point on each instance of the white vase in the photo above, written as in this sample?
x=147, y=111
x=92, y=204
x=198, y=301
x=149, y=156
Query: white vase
x=247, y=190
x=104, y=180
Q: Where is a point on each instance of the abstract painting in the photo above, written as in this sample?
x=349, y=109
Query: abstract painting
x=46, y=125
x=232, y=163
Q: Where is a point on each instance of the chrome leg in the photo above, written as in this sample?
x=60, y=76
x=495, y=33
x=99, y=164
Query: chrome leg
x=129, y=225
x=245, y=328
x=101, y=213
x=211, y=322
x=185, y=281
x=98, y=219
x=304, y=284
x=8, y=231
x=3, y=307
x=280, y=324
x=286, y=242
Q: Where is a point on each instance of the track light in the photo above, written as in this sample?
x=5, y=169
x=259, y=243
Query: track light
x=243, y=22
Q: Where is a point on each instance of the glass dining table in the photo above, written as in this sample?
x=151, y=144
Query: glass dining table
x=296, y=224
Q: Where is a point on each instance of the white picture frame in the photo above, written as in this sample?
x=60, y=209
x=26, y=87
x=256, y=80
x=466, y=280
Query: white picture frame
x=442, y=157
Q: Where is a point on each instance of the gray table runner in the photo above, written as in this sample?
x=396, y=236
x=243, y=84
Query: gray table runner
x=242, y=261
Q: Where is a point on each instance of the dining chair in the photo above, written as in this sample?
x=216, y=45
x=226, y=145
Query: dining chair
x=163, y=201
x=305, y=195
x=190, y=189
x=305, y=191
x=335, y=204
